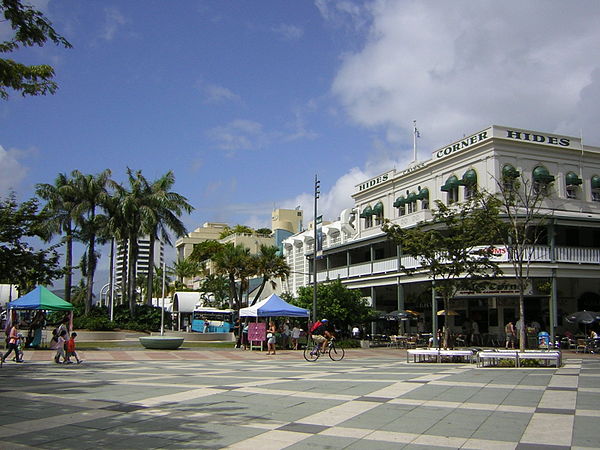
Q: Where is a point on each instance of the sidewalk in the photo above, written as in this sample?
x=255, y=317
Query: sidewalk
x=238, y=399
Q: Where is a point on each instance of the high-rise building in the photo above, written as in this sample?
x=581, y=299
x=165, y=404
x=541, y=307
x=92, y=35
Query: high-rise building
x=143, y=265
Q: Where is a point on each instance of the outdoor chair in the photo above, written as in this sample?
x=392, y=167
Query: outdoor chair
x=582, y=345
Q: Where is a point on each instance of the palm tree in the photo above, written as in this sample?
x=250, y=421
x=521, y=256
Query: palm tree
x=168, y=206
x=186, y=268
x=236, y=264
x=60, y=203
x=270, y=266
x=91, y=194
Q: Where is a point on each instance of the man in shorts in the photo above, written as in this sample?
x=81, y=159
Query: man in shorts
x=321, y=334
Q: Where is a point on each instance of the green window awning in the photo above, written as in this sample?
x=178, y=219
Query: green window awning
x=596, y=182
x=572, y=179
x=367, y=212
x=469, y=178
x=423, y=194
x=451, y=183
x=509, y=171
x=378, y=209
x=412, y=197
x=400, y=201
x=541, y=175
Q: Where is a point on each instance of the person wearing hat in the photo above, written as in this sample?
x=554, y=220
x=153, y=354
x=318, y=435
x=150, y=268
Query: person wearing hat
x=321, y=334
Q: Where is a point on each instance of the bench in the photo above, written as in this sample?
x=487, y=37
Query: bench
x=429, y=354
x=493, y=358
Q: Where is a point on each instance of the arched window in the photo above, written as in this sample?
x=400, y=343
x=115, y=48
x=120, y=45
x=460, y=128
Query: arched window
x=595, y=182
x=541, y=180
x=367, y=214
x=572, y=181
x=469, y=181
x=378, y=213
x=451, y=188
x=509, y=175
x=399, y=203
x=423, y=195
x=411, y=202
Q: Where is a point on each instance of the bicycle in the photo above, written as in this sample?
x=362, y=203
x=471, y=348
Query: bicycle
x=335, y=353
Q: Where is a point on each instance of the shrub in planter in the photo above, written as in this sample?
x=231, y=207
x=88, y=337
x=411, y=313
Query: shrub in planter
x=506, y=363
x=530, y=363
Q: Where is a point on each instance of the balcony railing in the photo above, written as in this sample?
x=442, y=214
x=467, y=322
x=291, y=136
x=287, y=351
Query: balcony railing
x=540, y=253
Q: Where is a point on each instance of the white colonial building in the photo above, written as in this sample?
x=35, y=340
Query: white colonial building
x=566, y=268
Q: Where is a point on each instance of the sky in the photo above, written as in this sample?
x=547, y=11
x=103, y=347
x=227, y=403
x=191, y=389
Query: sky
x=246, y=101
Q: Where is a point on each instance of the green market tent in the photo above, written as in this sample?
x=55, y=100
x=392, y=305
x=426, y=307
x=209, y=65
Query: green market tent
x=40, y=298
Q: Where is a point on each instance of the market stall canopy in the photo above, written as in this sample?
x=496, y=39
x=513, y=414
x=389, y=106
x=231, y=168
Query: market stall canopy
x=40, y=298
x=185, y=302
x=273, y=306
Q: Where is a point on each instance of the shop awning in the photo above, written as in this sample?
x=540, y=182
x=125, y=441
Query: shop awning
x=423, y=194
x=378, y=209
x=412, y=197
x=400, y=201
x=451, y=183
x=572, y=179
x=469, y=178
x=509, y=171
x=367, y=212
x=541, y=175
x=596, y=182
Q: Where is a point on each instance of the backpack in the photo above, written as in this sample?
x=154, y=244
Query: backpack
x=315, y=325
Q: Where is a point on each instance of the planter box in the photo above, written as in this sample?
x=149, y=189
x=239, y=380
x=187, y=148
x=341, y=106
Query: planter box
x=161, y=342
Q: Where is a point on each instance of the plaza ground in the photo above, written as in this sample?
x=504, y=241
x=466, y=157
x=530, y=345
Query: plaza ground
x=225, y=398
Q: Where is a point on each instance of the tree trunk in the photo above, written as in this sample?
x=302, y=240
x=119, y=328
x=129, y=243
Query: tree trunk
x=523, y=330
x=260, y=291
x=68, y=262
x=232, y=293
x=90, y=274
x=131, y=282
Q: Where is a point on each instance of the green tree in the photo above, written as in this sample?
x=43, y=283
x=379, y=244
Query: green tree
x=218, y=285
x=454, y=248
x=185, y=268
x=235, y=263
x=205, y=250
x=30, y=28
x=20, y=264
x=91, y=192
x=166, y=207
x=59, y=210
x=521, y=226
x=269, y=265
x=342, y=306
x=238, y=229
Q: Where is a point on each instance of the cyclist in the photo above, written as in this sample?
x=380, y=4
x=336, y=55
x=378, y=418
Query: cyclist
x=321, y=335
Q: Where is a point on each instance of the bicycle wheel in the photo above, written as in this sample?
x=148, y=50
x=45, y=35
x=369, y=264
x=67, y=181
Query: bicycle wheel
x=310, y=355
x=336, y=353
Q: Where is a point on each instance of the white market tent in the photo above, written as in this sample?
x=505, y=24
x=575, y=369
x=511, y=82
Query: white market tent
x=273, y=306
x=185, y=302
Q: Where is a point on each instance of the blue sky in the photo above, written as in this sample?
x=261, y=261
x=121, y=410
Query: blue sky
x=246, y=100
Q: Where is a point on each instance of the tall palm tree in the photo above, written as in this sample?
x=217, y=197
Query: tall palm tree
x=167, y=206
x=236, y=263
x=60, y=203
x=91, y=192
x=186, y=268
x=270, y=266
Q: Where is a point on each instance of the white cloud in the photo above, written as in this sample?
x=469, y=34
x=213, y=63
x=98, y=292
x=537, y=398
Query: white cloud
x=214, y=93
x=460, y=66
x=239, y=134
x=12, y=171
x=289, y=32
x=113, y=21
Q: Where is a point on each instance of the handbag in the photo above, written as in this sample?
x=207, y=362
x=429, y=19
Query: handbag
x=269, y=335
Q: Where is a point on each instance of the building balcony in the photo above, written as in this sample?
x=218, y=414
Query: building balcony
x=540, y=254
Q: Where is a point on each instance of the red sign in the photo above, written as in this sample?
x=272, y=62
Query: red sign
x=257, y=332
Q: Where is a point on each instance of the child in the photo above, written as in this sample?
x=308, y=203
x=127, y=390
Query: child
x=20, y=346
x=60, y=348
x=71, y=349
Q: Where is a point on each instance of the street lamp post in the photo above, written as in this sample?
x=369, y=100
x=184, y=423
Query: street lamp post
x=314, y=308
x=162, y=310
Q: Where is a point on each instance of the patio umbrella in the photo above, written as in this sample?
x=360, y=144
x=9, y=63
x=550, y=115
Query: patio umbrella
x=451, y=312
x=395, y=315
x=585, y=317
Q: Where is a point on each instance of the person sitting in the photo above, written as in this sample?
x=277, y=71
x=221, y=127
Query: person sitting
x=321, y=335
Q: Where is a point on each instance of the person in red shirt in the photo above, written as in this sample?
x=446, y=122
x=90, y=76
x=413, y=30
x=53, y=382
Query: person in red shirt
x=71, y=349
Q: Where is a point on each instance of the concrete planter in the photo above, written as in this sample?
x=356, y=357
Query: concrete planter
x=365, y=344
x=161, y=342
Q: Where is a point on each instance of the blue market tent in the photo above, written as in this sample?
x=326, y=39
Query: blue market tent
x=273, y=306
x=40, y=298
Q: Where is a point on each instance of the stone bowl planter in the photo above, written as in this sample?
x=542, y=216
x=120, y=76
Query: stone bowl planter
x=161, y=342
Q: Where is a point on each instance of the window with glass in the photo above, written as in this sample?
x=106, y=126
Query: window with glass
x=509, y=175
x=572, y=182
x=411, y=203
x=595, y=182
x=400, y=203
x=423, y=195
x=367, y=214
x=469, y=181
x=451, y=189
x=542, y=180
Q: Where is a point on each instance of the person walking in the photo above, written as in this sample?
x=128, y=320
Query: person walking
x=510, y=331
x=271, y=339
x=295, y=336
x=71, y=349
x=12, y=341
x=60, y=348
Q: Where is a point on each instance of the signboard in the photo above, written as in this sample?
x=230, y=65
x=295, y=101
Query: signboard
x=257, y=332
x=496, y=289
x=374, y=181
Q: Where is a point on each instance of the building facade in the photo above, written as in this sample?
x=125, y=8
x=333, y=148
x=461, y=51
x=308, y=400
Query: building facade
x=565, y=268
x=143, y=266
